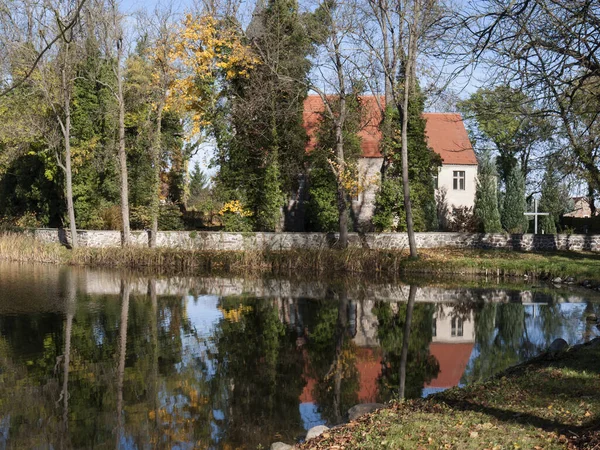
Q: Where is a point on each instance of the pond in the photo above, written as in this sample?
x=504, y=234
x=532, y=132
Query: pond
x=102, y=359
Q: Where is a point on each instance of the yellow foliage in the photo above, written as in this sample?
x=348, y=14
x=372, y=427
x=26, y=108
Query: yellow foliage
x=206, y=48
x=349, y=178
x=235, y=207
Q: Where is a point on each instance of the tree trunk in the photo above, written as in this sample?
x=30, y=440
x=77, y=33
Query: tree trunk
x=67, y=141
x=156, y=146
x=339, y=149
x=591, y=200
x=121, y=153
x=410, y=306
x=341, y=193
x=409, y=80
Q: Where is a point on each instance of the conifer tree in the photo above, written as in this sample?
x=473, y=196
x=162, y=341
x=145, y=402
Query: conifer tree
x=555, y=200
x=423, y=164
x=514, y=219
x=486, y=197
x=261, y=152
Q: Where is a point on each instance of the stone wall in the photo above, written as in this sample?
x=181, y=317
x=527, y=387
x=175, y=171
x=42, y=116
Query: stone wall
x=211, y=240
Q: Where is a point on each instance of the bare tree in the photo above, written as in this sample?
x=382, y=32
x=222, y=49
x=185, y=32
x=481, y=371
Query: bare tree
x=9, y=20
x=110, y=23
x=549, y=50
x=161, y=28
x=334, y=82
x=55, y=66
x=394, y=36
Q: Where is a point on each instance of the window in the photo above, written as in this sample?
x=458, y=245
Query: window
x=459, y=180
x=436, y=181
x=457, y=327
x=434, y=327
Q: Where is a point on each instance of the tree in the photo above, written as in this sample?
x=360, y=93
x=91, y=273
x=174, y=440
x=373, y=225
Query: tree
x=486, y=196
x=162, y=52
x=264, y=150
x=546, y=49
x=554, y=200
x=508, y=119
x=323, y=208
x=199, y=183
x=53, y=80
x=110, y=21
x=397, y=34
x=514, y=219
x=339, y=75
x=423, y=164
x=29, y=10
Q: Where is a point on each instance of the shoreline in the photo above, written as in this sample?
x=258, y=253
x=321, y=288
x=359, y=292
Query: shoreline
x=551, y=401
x=564, y=268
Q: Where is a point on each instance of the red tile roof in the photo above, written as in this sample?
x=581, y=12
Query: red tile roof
x=453, y=360
x=445, y=132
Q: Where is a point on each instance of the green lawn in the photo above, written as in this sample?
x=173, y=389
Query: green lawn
x=579, y=265
x=545, y=404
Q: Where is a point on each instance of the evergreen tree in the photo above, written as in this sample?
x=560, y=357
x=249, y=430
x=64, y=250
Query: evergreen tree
x=261, y=153
x=514, y=219
x=198, y=185
x=423, y=164
x=555, y=200
x=322, y=209
x=486, y=197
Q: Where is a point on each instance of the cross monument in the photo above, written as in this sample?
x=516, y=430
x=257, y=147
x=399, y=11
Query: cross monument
x=535, y=215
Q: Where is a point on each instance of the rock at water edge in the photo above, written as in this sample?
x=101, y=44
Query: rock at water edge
x=558, y=345
x=316, y=431
x=363, y=408
x=280, y=446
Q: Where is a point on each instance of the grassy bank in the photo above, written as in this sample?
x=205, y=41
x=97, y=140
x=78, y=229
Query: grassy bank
x=548, y=403
x=385, y=263
x=580, y=265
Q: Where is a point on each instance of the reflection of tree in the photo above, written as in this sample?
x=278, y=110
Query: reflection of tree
x=332, y=356
x=258, y=377
x=502, y=337
x=421, y=367
x=125, y=288
x=410, y=306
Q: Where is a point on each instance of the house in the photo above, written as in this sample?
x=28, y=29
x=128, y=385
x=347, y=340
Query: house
x=581, y=208
x=446, y=135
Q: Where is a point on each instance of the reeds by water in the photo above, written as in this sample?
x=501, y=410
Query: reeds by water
x=310, y=262
x=23, y=247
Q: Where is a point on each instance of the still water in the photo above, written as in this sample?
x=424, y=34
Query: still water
x=98, y=359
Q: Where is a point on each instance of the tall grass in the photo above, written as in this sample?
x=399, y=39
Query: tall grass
x=310, y=262
x=24, y=247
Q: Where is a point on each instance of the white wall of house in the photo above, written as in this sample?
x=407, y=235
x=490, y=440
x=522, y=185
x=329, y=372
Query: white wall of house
x=369, y=175
x=458, y=194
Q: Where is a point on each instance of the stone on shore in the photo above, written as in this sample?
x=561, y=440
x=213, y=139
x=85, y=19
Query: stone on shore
x=557, y=346
x=363, y=408
x=280, y=446
x=316, y=431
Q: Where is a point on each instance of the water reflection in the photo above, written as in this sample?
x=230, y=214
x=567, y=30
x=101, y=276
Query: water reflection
x=102, y=360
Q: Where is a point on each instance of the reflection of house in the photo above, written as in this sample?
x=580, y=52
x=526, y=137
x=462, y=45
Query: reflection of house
x=452, y=344
x=446, y=135
x=581, y=208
